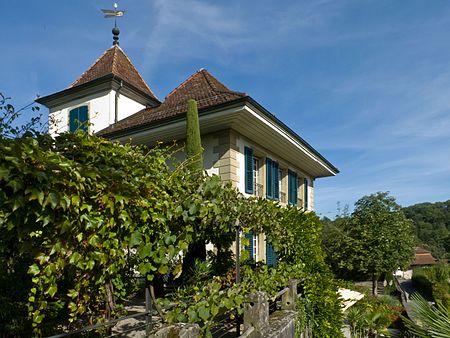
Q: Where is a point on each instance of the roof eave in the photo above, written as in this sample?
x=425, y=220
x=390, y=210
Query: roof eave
x=100, y=84
x=282, y=125
x=330, y=169
x=155, y=124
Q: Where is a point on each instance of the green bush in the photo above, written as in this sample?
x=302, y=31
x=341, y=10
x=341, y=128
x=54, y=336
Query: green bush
x=432, y=282
x=372, y=316
x=84, y=213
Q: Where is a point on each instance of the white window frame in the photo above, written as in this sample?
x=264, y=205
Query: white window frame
x=255, y=175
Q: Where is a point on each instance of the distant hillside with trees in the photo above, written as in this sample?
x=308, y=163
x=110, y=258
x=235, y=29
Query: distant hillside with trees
x=432, y=226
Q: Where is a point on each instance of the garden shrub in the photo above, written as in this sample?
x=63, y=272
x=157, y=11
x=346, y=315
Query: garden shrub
x=432, y=282
x=84, y=213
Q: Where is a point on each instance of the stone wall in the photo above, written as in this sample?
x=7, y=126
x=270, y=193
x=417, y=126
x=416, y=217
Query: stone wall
x=257, y=321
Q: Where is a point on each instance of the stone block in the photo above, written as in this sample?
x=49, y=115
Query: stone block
x=180, y=330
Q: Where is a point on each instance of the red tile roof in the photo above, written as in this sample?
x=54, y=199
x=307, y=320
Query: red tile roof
x=423, y=257
x=115, y=61
x=419, y=250
x=201, y=86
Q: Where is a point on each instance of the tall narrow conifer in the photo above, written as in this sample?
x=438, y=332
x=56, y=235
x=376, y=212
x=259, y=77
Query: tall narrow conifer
x=194, y=148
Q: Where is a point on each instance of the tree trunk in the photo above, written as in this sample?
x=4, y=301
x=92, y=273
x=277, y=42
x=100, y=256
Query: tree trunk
x=110, y=304
x=374, y=285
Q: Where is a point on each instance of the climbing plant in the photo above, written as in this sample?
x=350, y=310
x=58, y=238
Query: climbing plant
x=84, y=213
x=296, y=236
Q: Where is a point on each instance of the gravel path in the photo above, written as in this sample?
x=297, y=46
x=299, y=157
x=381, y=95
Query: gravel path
x=133, y=327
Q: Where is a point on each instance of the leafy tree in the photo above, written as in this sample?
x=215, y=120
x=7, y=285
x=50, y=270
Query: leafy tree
x=376, y=239
x=432, y=226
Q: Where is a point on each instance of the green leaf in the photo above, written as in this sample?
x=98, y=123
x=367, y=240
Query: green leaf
x=75, y=200
x=74, y=258
x=37, y=317
x=15, y=184
x=145, y=251
x=136, y=239
x=52, y=290
x=53, y=198
x=33, y=270
x=214, y=310
x=37, y=195
x=4, y=174
x=163, y=269
x=203, y=313
x=228, y=303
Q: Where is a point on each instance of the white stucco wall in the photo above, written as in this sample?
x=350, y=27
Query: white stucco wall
x=101, y=111
x=127, y=107
x=209, y=157
x=284, y=165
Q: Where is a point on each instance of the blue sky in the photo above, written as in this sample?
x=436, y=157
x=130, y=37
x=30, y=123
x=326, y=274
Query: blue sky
x=367, y=83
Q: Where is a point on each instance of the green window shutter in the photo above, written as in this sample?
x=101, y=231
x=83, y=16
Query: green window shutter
x=276, y=181
x=305, y=182
x=271, y=256
x=269, y=178
x=289, y=186
x=249, y=188
x=251, y=245
x=293, y=186
x=78, y=119
x=73, y=118
x=295, y=189
x=83, y=118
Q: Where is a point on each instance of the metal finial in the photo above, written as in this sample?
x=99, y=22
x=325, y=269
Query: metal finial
x=116, y=32
x=114, y=13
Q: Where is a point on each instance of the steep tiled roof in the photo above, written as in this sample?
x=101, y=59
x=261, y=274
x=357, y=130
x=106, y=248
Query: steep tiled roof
x=201, y=86
x=419, y=250
x=423, y=257
x=115, y=61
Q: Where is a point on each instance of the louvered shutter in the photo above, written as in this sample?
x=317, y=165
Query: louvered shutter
x=78, y=119
x=251, y=244
x=249, y=188
x=271, y=256
x=269, y=178
x=73, y=118
x=305, y=184
x=293, y=187
x=290, y=187
x=83, y=118
x=276, y=181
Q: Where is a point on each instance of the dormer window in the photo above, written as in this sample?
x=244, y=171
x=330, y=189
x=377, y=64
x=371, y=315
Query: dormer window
x=78, y=119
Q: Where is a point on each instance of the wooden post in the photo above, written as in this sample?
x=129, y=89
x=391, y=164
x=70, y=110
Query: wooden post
x=148, y=309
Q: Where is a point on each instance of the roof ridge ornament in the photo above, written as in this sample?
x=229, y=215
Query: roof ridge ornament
x=114, y=13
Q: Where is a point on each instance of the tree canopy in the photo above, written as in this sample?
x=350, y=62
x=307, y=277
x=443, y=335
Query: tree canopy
x=432, y=226
x=375, y=239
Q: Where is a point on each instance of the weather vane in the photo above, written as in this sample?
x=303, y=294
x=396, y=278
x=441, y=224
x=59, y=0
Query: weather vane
x=114, y=13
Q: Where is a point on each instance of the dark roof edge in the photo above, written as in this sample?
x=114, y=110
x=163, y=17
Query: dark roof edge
x=290, y=131
x=109, y=77
x=212, y=109
x=154, y=124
